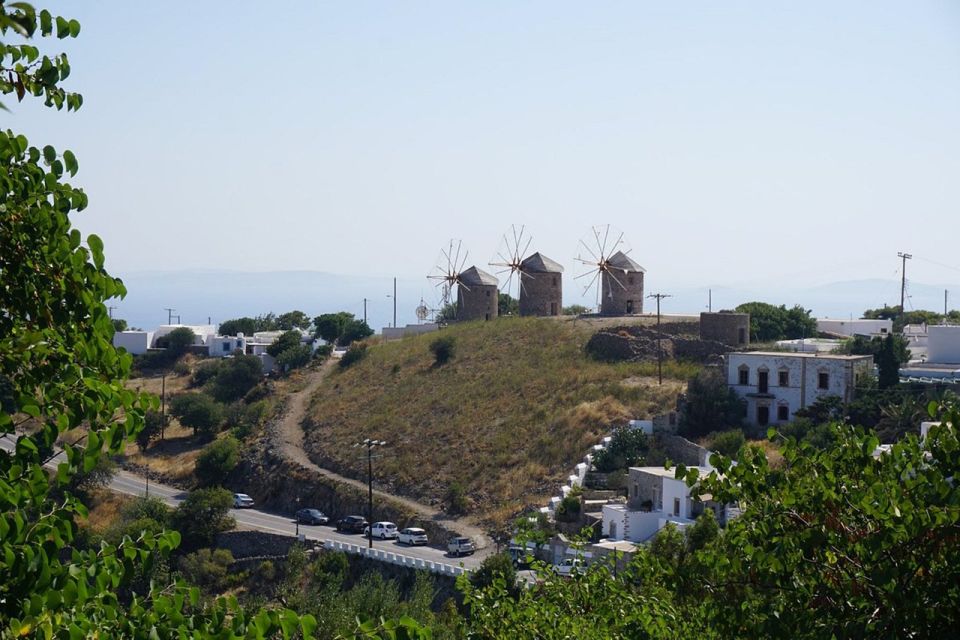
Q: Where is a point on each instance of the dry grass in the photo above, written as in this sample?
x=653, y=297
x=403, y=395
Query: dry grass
x=104, y=510
x=508, y=417
x=774, y=457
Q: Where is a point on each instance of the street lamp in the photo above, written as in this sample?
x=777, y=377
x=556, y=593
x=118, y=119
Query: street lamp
x=370, y=444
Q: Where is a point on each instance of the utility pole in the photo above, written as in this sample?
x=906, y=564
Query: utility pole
x=903, y=279
x=163, y=404
x=370, y=444
x=169, y=314
x=710, y=300
x=394, y=302
x=945, y=306
x=659, y=297
x=110, y=311
x=364, y=311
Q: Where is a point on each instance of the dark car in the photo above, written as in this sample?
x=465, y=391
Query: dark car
x=311, y=516
x=352, y=524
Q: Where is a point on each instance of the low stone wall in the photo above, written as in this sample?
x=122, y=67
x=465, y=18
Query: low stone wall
x=247, y=544
x=681, y=451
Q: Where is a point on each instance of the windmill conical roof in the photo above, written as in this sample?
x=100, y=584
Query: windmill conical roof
x=539, y=263
x=622, y=261
x=474, y=276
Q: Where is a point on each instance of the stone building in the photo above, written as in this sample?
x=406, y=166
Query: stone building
x=727, y=327
x=622, y=287
x=477, y=295
x=541, y=290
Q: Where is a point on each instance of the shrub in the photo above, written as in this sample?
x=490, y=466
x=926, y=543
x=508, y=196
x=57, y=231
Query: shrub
x=179, y=340
x=199, y=412
x=323, y=351
x=205, y=371
x=356, y=353
x=293, y=358
x=181, y=368
x=443, y=349
x=569, y=508
x=152, y=428
x=456, y=498
x=726, y=443
x=353, y=331
x=207, y=568
x=217, y=460
x=204, y=514
x=627, y=447
x=493, y=567
x=286, y=340
x=710, y=405
x=237, y=375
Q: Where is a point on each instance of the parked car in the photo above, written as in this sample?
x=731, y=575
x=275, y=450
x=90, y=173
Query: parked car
x=311, y=516
x=460, y=546
x=521, y=557
x=352, y=524
x=412, y=536
x=242, y=501
x=569, y=567
x=383, y=530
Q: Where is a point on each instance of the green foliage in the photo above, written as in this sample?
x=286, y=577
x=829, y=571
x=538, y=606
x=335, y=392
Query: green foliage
x=286, y=340
x=443, y=349
x=710, y=405
x=627, y=448
x=207, y=568
x=575, y=310
x=57, y=358
x=457, y=501
x=205, y=371
x=199, y=412
x=204, y=514
x=246, y=326
x=217, y=460
x=446, y=314
x=293, y=320
x=152, y=427
x=507, y=305
x=141, y=517
x=356, y=353
x=726, y=443
x=119, y=324
x=323, y=351
x=353, y=331
x=888, y=363
x=569, y=508
x=770, y=322
x=498, y=567
x=864, y=346
x=91, y=478
x=179, y=340
x=330, y=326
x=236, y=377
x=535, y=528
x=294, y=358
x=902, y=319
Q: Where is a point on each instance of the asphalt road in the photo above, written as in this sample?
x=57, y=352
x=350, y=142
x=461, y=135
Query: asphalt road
x=257, y=520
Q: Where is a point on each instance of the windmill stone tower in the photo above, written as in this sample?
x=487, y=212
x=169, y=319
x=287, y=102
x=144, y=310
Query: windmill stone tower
x=622, y=286
x=477, y=295
x=541, y=290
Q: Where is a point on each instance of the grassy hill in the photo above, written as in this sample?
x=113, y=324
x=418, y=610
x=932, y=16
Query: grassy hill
x=505, y=421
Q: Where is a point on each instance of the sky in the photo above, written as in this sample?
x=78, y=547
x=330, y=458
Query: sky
x=735, y=144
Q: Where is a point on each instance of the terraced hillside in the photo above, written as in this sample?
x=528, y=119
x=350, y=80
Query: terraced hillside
x=496, y=428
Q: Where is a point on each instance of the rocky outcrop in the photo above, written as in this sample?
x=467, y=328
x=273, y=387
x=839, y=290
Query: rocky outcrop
x=640, y=343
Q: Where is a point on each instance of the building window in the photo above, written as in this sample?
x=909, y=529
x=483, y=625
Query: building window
x=226, y=347
x=763, y=416
x=744, y=376
x=783, y=413
x=676, y=506
x=823, y=380
x=488, y=293
x=554, y=280
x=763, y=378
x=783, y=378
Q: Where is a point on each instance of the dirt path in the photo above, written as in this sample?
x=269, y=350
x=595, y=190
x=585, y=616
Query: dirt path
x=288, y=434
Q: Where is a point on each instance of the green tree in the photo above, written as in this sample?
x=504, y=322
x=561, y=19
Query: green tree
x=888, y=364
x=285, y=341
x=293, y=320
x=204, y=514
x=447, y=313
x=627, y=448
x=507, y=305
x=199, y=412
x=246, y=326
x=353, y=331
x=443, y=349
x=330, y=326
x=770, y=322
x=496, y=568
x=726, y=443
x=179, y=341
x=119, y=324
x=207, y=568
x=217, y=460
x=710, y=405
x=56, y=355
x=294, y=357
x=235, y=377
x=152, y=427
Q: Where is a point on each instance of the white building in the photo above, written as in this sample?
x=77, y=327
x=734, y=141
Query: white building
x=775, y=385
x=655, y=498
x=860, y=327
x=810, y=345
x=200, y=332
x=135, y=342
x=943, y=344
x=220, y=346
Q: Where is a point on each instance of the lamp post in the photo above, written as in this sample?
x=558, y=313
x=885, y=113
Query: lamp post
x=370, y=444
x=296, y=518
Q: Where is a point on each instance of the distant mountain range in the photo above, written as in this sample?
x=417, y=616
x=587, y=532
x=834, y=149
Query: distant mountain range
x=196, y=295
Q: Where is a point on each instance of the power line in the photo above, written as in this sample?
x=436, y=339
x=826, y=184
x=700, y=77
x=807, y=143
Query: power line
x=659, y=297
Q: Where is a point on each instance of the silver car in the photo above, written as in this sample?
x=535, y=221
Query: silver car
x=242, y=501
x=413, y=536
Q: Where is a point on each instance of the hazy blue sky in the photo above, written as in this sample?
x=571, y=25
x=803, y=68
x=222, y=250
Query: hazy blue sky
x=735, y=143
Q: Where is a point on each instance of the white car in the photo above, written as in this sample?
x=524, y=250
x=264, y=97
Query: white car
x=569, y=567
x=385, y=530
x=413, y=536
x=242, y=501
x=460, y=546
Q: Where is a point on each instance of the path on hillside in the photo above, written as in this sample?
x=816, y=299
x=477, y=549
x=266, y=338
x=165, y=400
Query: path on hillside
x=287, y=433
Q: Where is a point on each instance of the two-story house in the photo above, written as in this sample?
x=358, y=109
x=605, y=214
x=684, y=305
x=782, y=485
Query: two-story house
x=775, y=385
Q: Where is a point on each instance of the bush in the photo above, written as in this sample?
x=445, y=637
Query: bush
x=199, y=412
x=204, y=514
x=181, y=368
x=286, y=340
x=152, y=428
x=179, y=340
x=569, y=508
x=356, y=353
x=456, y=498
x=237, y=375
x=494, y=567
x=205, y=371
x=710, y=405
x=207, y=568
x=323, y=351
x=443, y=349
x=217, y=460
x=726, y=443
x=627, y=448
x=293, y=358
x=353, y=331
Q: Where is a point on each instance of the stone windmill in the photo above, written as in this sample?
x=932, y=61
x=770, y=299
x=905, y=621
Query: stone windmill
x=606, y=267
